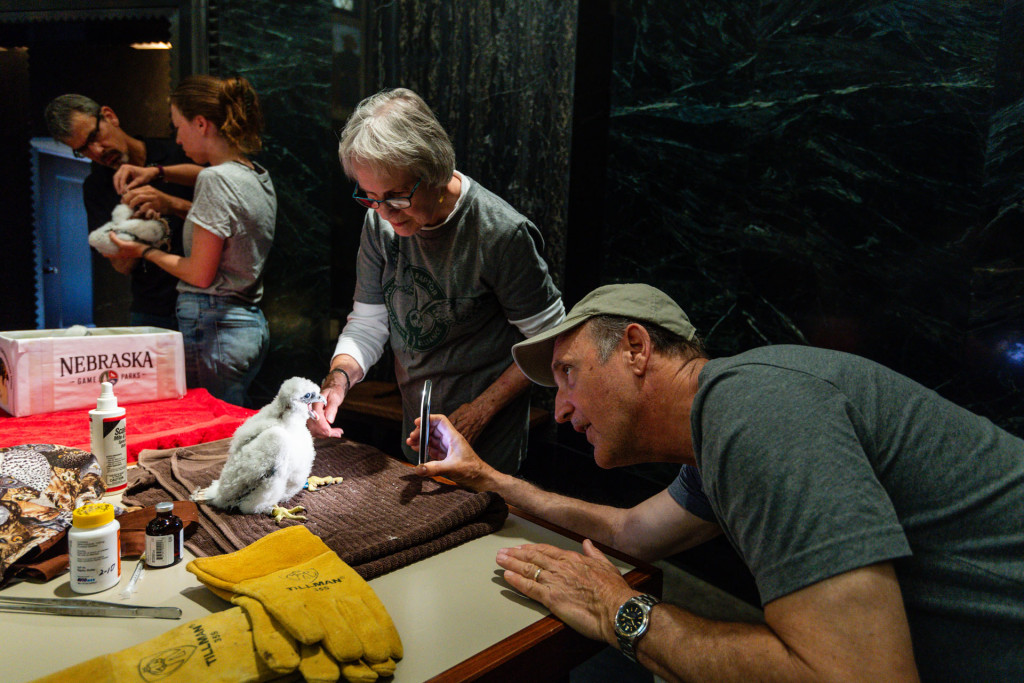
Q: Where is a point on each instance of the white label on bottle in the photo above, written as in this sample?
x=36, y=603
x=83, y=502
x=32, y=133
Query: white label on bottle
x=160, y=550
x=93, y=561
x=110, y=446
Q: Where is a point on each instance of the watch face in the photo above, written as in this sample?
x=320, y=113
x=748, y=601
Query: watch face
x=630, y=618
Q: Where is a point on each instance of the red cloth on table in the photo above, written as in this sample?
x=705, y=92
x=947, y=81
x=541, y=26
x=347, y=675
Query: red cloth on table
x=197, y=417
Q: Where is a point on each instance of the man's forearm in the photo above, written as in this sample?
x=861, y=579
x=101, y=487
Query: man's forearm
x=849, y=627
x=593, y=521
x=349, y=365
x=178, y=206
x=182, y=174
x=714, y=650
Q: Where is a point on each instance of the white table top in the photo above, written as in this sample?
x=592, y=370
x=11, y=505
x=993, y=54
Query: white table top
x=447, y=608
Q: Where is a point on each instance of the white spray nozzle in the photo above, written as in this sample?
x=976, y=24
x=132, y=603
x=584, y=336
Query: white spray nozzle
x=107, y=400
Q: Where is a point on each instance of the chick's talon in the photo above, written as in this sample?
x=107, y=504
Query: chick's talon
x=280, y=514
x=312, y=483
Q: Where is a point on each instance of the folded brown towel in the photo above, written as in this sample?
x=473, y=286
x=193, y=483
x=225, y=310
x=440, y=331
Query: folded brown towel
x=380, y=518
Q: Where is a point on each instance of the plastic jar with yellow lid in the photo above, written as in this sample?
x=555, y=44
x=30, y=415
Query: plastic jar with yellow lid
x=94, y=548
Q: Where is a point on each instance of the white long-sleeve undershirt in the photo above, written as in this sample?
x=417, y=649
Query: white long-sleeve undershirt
x=364, y=335
x=545, y=320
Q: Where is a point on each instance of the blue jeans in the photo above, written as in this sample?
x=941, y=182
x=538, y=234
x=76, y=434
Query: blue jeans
x=225, y=344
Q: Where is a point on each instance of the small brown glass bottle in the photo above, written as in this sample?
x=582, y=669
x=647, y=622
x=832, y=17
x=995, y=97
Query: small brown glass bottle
x=165, y=535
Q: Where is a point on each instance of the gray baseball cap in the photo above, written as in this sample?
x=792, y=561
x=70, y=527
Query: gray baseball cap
x=634, y=300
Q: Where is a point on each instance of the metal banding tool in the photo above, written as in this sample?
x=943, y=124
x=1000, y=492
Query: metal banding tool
x=85, y=608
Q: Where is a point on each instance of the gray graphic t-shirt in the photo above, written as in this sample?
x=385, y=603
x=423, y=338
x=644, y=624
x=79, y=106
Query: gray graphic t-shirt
x=450, y=293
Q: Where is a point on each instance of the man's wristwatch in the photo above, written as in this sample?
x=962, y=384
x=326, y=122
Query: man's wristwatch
x=631, y=622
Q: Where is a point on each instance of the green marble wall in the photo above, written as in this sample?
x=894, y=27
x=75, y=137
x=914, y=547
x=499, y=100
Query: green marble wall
x=284, y=49
x=500, y=77
x=842, y=174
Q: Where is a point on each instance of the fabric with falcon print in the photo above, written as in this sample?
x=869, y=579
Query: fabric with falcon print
x=40, y=486
x=380, y=518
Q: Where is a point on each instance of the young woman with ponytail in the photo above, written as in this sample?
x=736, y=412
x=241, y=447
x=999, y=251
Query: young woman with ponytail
x=228, y=234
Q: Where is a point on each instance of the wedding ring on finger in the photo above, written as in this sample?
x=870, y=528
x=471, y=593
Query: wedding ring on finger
x=536, y=574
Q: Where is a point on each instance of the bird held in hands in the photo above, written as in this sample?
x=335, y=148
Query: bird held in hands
x=152, y=231
x=270, y=456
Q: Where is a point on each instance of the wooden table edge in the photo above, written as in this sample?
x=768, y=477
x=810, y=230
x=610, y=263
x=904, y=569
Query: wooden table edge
x=500, y=662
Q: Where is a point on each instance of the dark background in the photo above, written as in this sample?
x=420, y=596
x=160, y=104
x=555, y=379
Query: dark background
x=835, y=173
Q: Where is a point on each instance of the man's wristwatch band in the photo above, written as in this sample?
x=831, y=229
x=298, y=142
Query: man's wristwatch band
x=631, y=622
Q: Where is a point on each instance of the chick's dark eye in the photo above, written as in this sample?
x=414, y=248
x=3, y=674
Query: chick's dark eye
x=308, y=395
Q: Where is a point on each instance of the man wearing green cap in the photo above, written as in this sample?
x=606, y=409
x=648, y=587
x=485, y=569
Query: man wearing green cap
x=882, y=523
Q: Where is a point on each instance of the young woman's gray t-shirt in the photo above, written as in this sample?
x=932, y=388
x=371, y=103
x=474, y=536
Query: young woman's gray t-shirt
x=239, y=205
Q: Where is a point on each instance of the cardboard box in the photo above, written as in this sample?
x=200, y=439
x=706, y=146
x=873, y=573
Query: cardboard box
x=43, y=371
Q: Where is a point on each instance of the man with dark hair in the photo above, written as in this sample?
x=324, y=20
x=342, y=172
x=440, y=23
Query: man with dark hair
x=94, y=132
x=884, y=525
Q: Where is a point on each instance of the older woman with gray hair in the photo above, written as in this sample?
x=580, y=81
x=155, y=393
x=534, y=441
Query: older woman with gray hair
x=447, y=271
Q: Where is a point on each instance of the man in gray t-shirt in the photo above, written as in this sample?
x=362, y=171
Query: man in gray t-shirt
x=884, y=524
x=816, y=462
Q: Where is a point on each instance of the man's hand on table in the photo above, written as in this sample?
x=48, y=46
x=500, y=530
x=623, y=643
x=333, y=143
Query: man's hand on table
x=584, y=591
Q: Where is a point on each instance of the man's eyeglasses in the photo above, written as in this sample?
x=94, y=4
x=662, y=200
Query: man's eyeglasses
x=396, y=203
x=79, y=152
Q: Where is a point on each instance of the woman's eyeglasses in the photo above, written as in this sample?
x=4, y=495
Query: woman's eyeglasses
x=396, y=203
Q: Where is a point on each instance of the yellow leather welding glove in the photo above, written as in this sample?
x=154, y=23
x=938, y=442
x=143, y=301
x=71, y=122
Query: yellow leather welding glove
x=383, y=669
x=325, y=600
x=283, y=654
x=310, y=591
x=273, y=643
x=359, y=672
x=319, y=667
x=283, y=548
x=216, y=648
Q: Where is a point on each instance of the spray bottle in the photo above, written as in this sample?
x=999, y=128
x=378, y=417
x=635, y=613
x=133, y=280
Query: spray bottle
x=108, y=439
